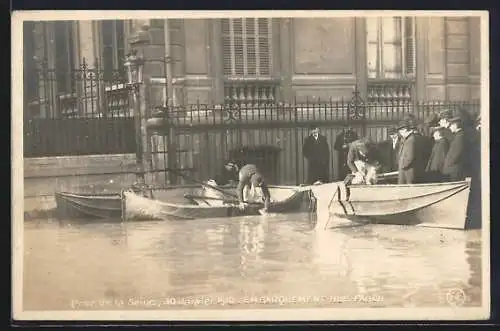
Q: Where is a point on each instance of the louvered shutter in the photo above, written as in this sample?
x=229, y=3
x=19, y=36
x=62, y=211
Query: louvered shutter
x=246, y=46
x=409, y=44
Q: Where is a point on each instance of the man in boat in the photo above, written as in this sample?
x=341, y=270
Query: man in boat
x=412, y=159
x=317, y=153
x=434, y=169
x=228, y=174
x=362, y=160
x=455, y=162
x=251, y=179
x=342, y=141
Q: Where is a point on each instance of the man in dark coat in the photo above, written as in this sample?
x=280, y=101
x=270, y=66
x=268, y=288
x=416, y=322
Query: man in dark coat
x=341, y=145
x=434, y=169
x=389, y=151
x=455, y=162
x=444, y=117
x=317, y=153
x=411, y=165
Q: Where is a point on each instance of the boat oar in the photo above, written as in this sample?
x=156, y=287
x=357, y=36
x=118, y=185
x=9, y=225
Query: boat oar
x=192, y=197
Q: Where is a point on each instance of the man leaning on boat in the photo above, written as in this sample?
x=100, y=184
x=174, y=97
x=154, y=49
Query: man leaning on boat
x=362, y=160
x=250, y=180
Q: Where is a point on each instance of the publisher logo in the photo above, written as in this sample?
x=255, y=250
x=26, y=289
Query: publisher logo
x=455, y=297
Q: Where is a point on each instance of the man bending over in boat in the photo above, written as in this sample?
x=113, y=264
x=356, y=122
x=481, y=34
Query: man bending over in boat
x=362, y=160
x=251, y=179
x=227, y=176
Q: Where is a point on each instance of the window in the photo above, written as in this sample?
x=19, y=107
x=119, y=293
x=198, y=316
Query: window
x=64, y=56
x=390, y=47
x=113, y=49
x=248, y=61
x=247, y=47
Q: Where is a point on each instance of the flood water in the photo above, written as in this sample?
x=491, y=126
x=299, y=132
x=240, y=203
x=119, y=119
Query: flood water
x=248, y=262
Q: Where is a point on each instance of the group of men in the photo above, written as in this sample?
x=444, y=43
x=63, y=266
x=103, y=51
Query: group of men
x=440, y=154
x=443, y=155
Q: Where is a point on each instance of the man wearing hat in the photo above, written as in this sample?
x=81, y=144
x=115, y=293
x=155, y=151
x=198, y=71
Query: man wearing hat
x=317, y=153
x=434, y=169
x=444, y=122
x=411, y=162
x=363, y=161
x=251, y=179
x=455, y=161
x=342, y=141
x=389, y=150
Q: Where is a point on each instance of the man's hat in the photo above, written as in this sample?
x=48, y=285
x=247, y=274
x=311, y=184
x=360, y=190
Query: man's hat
x=455, y=119
x=407, y=123
x=392, y=131
x=445, y=114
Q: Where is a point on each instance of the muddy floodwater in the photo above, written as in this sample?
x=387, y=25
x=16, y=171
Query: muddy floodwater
x=248, y=262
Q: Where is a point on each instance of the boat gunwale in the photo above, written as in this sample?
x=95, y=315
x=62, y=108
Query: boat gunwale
x=466, y=181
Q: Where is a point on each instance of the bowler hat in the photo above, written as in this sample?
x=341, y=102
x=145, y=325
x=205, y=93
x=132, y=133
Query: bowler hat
x=445, y=114
x=392, y=131
x=407, y=123
x=455, y=119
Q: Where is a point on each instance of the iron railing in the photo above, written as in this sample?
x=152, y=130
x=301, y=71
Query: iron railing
x=87, y=112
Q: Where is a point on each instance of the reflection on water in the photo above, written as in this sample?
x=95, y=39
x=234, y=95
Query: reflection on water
x=247, y=262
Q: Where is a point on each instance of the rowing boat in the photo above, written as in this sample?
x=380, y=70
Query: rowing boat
x=441, y=205
x=104, y=205
x=86, y=205
x=284, y=199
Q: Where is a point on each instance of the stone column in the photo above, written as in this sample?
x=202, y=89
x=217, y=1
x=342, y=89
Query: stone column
x=139, y=43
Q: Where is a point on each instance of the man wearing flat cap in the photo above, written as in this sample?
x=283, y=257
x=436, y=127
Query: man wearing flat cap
x=455, y=162
x=411, y=165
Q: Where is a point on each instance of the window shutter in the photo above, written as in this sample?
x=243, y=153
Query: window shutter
x=409, y=39
x=247, y=47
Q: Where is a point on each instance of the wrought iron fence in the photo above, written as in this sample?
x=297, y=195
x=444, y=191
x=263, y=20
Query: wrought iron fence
x=202, y=136
x=78, y=112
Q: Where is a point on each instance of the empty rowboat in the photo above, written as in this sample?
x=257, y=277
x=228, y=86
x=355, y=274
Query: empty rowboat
x=432, y=204
x=86, y=205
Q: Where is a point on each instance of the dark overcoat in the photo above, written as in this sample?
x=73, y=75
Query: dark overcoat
x=411, y=165
x=434, y=169
x=317, y=153
x=454, y=164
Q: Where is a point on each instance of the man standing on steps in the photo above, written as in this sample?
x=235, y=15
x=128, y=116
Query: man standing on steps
x=317, y=153
x=250, y=179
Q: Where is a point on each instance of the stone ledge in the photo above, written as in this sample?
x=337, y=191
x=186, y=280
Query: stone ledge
x=78, y=165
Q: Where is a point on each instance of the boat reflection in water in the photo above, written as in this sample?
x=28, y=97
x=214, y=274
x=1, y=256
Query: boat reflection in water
x=235, y=262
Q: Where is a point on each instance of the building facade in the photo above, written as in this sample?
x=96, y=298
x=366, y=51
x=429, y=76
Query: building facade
x=250, y=60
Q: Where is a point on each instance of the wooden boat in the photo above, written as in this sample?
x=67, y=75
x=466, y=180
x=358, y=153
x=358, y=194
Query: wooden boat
x=86, y=205
x=441, y=205
x=284, y=199
x=101, y=206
